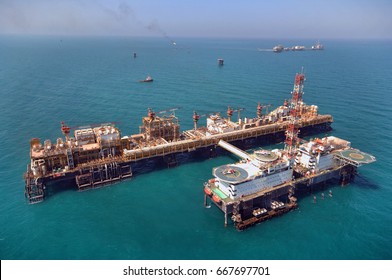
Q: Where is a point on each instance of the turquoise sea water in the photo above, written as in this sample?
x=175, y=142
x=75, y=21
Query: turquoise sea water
x=160, y=215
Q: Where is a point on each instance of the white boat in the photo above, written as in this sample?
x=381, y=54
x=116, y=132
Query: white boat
x=147, y=79
x=278, y=48
x=318, y=46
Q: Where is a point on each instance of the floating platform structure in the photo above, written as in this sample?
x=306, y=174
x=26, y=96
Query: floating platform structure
x=262, y=185
x=253, y=197
x=98, y=155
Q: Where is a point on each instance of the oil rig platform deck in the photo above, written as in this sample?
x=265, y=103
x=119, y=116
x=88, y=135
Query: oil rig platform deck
x=98, y=155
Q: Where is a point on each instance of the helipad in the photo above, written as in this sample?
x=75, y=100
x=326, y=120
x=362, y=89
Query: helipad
x=230, y=173
x=265, y=155
x=355, y=156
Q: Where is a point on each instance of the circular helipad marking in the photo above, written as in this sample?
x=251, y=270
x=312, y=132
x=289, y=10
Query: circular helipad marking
x=356, y=156
x=230, y=173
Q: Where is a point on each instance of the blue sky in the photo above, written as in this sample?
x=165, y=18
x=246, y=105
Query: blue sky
x=196, y=18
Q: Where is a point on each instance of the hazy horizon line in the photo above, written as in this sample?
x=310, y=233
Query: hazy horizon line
x=320, y=38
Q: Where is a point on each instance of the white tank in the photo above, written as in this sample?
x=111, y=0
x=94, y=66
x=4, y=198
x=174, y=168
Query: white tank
x=59, y=143
x=47, y=144
x=43, y=168
x=35, y=170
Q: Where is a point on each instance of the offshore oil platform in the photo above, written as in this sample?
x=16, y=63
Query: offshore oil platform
x=98, y=155
x=262, y=185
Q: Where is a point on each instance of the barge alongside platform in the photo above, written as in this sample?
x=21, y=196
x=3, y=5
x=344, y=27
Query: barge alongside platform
x=262, y=185
x=240, y=197
x=99, y=155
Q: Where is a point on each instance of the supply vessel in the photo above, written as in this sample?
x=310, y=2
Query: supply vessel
x=262, y=185
x=99, y=154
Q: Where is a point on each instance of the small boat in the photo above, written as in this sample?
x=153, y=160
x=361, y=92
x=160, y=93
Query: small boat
x=147, y=79
x=259, y=212
x=216, y=199
x=207, y=191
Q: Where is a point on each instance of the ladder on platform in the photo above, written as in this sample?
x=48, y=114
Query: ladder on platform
x=102, y=174
x=34, y=189
x=70, y=159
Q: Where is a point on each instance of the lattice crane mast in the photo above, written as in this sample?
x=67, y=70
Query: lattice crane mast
x=292, y=141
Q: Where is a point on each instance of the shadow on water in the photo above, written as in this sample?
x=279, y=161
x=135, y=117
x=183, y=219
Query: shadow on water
x=303, y=191
x=138, y=168
x=365, y=183
x=327, y=187
x=58, y=187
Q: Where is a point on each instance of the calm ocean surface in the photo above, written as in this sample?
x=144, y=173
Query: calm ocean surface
x=160, y=215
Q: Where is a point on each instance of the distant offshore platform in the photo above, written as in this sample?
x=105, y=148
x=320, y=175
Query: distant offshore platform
x=281, y=48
